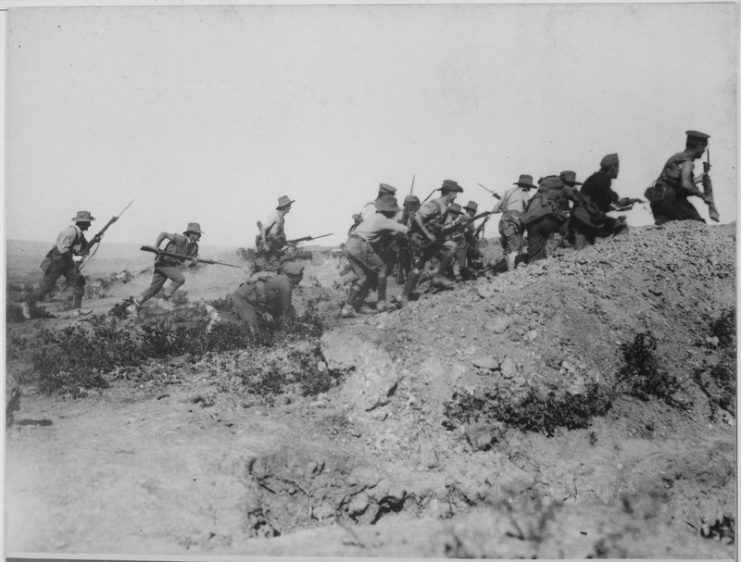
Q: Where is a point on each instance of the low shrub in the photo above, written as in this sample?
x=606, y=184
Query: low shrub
x=106, y=343
x=533, y=413
x=724, y=328
x=641, y=375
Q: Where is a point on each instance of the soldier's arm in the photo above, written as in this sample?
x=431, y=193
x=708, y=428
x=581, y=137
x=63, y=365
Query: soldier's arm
x=419, y=221
x=162, y=237
x=688, y=183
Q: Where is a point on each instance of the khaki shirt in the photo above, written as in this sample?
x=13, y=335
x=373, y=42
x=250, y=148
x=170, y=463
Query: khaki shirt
x=71, y=239
x=376, y=226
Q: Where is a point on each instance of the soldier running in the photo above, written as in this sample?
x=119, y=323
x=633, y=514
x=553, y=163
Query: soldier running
x=427, y=223
x=511, y=230
x=366, y=250
x=167, y=267
x=272, y=237
x=676, y=182
x=64, y=259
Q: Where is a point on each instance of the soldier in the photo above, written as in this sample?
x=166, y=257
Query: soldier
x=365, y=249
x=546, y=213
x=166, y=267
x=405, y=251
x=676, y=182
x=457, y=218
x=357, y=218
x=272, y=237
x=369, y=209
x=64, y=259
x=589, y=218
x=427, y=223
x=511, y=230
x=267, y=296
x=470, y=256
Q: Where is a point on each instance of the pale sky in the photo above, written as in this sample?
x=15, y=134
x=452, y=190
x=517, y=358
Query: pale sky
x=211, y=113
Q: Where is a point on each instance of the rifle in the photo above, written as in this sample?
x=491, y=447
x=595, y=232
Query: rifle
x=480, y=228
x=430, y=195
x=441, y=234
x=707, y=188
x=307, y=238
x=182, y=257
x=625, y=204
x=493, y=193
x=411, y=190
x=92, y=247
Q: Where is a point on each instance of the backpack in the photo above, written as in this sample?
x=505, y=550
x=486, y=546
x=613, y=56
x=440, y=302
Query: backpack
x=546, y=201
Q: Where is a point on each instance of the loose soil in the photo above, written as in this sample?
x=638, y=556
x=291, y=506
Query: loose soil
x=418, y=449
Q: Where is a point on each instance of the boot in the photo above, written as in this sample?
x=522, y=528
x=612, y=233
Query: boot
x=365, y=309
x=511, y=261
x=382, y=306
x=348, y=309
x=78, y=306
x=411, y=284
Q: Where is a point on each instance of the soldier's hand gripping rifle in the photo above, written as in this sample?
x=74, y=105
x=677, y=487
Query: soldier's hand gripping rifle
x=707, y=188
x=182, y=257
x=92, y=247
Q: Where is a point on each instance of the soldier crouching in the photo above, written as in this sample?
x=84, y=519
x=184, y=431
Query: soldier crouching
x=267, y=296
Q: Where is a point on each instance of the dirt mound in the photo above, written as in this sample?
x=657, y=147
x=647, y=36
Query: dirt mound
x=583, y=406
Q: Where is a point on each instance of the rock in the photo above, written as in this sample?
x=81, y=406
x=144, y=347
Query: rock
x=712, y=341
x=498, y=324
x=481, y=435
x=375, y=375
x=485, y=362
x=323, y=511
x=531, y=335
x=427, y=455
x=358, y=505
x=508, y=368
x=486, y=290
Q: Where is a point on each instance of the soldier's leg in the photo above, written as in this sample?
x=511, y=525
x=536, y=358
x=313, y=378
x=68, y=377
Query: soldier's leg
x=537, y=237
x=447, y=253
x=177, y=279
x=77, y=281
x=512, y=248
x=582, y=237
x=49, y=281
x=244, y=309
x=158, y=281
x=47, y=284
x=381, y=305
x=460, y=255
x=354, y=254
